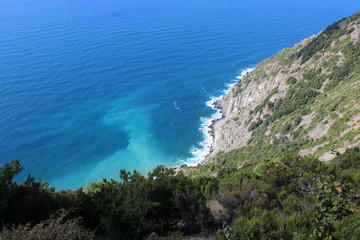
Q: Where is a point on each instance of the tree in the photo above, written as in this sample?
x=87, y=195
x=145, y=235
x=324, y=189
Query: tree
x=7, y=173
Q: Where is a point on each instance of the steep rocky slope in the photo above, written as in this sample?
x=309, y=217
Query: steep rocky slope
x=301, y=100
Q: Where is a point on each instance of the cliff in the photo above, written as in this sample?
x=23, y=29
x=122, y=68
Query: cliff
x=302, y=100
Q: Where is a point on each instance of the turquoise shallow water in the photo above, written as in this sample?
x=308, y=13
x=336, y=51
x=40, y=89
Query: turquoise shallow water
x=88, y=87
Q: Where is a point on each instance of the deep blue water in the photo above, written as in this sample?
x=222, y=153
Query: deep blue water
x=91, y=86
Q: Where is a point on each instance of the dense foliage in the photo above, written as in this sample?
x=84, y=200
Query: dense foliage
x=293, y=198
x=284, y=198
x=256, y=192
x=130, y=209
x=162, y=203
x=55, y=228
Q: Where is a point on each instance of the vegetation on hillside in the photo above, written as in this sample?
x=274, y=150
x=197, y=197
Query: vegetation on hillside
x=261, y=191
x=292, y=198
x=282, y=198
x=322, y=77
x=128, y=209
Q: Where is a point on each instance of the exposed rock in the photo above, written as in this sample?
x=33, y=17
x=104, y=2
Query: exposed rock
x=327, y=156
x=306, y=120
x=250, y=101
x=311, y=150
x=321, y=128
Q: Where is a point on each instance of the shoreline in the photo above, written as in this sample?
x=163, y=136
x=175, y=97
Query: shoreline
x=211, y=130
x=201, y=156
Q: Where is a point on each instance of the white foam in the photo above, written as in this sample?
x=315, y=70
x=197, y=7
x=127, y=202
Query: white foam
x=200, y=153
x=176, y=106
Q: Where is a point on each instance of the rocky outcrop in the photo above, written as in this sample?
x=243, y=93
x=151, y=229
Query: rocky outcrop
x=319, y=78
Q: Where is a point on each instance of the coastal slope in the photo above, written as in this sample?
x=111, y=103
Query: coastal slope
x=303, y=100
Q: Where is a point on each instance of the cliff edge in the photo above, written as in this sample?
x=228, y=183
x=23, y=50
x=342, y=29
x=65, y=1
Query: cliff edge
x=302, y=100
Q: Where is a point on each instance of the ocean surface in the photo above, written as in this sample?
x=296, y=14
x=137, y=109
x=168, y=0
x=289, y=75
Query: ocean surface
x=88, y=87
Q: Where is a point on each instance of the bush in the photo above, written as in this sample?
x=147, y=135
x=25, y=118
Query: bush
x=348, y=228
x=268, y=225
x=291, y=80
x=162, y=203
x=55, y=229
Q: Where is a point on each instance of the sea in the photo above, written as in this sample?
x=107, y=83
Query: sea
x=89, y=87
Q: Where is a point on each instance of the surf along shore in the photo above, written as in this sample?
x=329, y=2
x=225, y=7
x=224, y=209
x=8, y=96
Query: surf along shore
x=209, y=127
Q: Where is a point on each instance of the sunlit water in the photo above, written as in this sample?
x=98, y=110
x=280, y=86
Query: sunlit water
x=88, y=87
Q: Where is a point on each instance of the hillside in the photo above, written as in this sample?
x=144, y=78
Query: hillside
x=303, y=100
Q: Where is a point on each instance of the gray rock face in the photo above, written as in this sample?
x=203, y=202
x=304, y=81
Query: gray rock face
x=331, y=115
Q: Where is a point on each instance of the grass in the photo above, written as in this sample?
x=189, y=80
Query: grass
x=306, y=94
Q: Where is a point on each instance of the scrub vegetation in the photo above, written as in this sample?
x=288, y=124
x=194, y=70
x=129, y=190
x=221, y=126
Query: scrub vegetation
x=312, y=100
x=263, y=190
x=273, y=198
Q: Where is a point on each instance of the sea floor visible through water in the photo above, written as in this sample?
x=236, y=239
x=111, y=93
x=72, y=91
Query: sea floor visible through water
x=89, y=87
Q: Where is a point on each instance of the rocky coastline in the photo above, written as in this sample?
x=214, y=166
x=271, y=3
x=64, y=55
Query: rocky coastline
x=265, y=95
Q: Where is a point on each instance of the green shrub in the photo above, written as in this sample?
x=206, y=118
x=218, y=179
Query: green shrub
x=348, y=227
x=291, y=80
x=56, y=228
